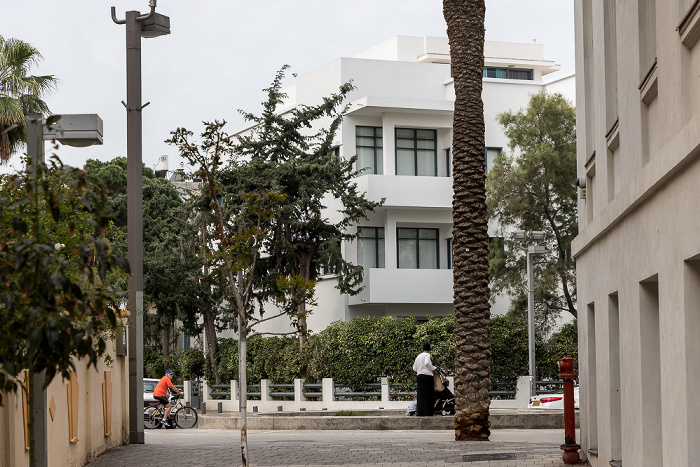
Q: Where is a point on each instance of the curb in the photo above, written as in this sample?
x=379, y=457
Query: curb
x=550, y=419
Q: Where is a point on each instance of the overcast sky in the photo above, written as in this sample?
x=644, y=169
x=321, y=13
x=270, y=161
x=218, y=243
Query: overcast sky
x=221, y=54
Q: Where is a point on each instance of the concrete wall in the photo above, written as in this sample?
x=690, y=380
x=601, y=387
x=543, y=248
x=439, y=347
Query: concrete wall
x=91, y=437
x=637, y=251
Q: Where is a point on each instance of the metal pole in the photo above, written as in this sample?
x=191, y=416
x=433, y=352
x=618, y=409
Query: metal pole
x=35, y=140
x=531, y=321
x=35, y=151
x=134, y=224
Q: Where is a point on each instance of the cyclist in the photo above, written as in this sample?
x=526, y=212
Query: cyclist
x=160, y=393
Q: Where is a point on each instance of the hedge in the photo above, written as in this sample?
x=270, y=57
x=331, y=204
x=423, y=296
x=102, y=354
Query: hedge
x=356, y=352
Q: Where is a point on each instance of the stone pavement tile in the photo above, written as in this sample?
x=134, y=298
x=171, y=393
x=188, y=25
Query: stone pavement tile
x=318, y=448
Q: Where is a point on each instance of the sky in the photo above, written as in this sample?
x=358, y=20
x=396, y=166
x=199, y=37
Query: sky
x=221, y=54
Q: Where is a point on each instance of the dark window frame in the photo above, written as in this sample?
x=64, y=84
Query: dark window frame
x=415, y=150
x=510, y=72
x=376, y=237
x=417, y=237
x=374, y=147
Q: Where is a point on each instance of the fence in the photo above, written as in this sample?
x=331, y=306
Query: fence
x=327, y=395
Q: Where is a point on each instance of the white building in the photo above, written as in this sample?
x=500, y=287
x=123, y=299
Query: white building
x=400, y=125
x=638, y=249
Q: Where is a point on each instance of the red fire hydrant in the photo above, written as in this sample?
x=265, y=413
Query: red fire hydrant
x=570, y=448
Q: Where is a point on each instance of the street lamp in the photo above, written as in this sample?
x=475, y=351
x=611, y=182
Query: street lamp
x=79, y=130
x=535, y=249
x=137, y=26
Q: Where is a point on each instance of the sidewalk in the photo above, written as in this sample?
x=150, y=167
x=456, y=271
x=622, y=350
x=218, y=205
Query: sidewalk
x=316, y=448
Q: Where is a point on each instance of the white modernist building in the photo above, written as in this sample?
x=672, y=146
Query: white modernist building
x=638, y=249
x=400, y=126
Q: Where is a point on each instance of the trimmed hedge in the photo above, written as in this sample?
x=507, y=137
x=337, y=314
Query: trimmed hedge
x=356, y=352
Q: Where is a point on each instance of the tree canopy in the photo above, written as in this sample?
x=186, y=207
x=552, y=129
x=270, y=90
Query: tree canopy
x=20, y=93
x=531, y=188
x=59, y=273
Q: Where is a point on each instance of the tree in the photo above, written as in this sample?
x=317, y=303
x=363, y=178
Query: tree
x=239, y=235
x=465, y=31
x=57, y=275
x=20, y=93
x=532, y=189
x=292, y=153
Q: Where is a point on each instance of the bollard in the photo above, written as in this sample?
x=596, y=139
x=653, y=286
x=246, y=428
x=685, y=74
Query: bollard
x=570, y=448
x=220, y=407
x=203, y=407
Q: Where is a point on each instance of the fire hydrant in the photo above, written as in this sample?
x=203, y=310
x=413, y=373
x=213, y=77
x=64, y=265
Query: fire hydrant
x=570, y=448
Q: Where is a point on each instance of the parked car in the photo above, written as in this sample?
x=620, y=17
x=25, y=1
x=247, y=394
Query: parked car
x=552, y=401
x=149, y=384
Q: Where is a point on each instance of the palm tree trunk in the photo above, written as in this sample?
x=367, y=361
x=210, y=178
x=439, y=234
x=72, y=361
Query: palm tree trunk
x=465, y=30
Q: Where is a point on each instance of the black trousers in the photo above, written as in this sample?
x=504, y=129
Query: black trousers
x=425, y=397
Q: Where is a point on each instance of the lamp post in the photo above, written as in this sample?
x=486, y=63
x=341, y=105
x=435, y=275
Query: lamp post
x=78, y=130
x=137, y=26
x=535, y=249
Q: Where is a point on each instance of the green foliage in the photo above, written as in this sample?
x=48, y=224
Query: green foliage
x=191, y=364
x=509, y=349
x=532, y=189
x=57, y=272
x=360, y=351
x=563, y=343
x=153, y=366
x=188, y=364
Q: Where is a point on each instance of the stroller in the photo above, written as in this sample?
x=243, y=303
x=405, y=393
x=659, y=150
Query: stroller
x=444, y=399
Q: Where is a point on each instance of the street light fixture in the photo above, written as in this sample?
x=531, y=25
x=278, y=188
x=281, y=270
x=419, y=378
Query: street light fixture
x=535, y=249
x=137, y=26
x=79, y=130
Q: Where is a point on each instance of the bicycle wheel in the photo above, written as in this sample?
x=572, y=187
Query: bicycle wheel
x=186, y=417
x=151, y=417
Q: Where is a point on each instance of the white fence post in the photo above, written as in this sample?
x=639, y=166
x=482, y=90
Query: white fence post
x=234, y=390
x=385, y=389
x=205, y=391
x=299, y=390
x=264, y=390
x=328, y=391
x=187, y=389
x=522, y=393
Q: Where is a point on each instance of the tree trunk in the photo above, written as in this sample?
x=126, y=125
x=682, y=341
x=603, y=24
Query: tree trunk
x=465, y=30
x=243, y=388
x=208, y=317
x=165, y=336
x=212, y=345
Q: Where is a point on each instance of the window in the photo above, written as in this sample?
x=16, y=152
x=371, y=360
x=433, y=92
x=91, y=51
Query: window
x=417, y=248
x=368, y=141
x=186, y=341
x=507, y=73
x=448, y=162
x=370, y=247
x=416, y=152
x=491, y=155
x=449, y=253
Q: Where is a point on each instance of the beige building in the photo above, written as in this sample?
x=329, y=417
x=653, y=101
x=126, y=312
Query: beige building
x=85, y=416
x=638, y=249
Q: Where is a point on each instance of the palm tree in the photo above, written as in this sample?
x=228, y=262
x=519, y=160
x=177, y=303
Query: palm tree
x=20, y=93
x=465, y=31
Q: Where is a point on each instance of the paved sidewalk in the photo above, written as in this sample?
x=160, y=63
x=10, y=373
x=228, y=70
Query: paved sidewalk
x=397, y=448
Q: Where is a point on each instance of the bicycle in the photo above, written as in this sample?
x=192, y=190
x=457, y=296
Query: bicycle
x=182, y=416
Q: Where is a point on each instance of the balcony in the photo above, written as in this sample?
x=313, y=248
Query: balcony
x=405, y=286
x=406, y=191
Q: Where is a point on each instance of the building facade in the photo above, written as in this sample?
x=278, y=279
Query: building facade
x=638, y=252
x=399, y=124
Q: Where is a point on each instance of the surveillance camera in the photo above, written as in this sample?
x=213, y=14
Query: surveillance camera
x=581, y=182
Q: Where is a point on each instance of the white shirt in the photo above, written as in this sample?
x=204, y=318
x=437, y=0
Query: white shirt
x=423, y=365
